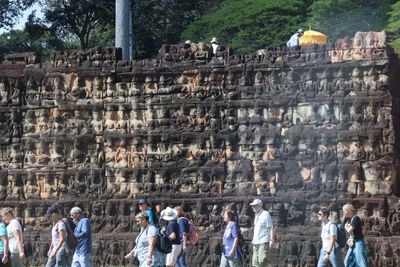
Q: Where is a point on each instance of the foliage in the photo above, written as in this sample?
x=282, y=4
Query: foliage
x=156, y=22
x=80, y=19
x=248, y=25
x=10, y=10
x=338, y=18
x=393, y=26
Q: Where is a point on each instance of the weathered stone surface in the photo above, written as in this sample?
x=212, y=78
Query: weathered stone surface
x=298, y=128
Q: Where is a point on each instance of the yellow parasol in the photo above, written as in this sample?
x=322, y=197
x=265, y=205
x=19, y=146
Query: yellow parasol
x=311, y=37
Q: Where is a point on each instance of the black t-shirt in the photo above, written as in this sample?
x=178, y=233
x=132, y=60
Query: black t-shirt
x=356, y=223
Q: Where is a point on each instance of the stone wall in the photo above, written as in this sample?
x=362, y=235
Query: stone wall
x=298, y=128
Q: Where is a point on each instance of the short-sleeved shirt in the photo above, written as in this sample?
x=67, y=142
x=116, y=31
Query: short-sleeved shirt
x=328, y=229
x=173, y=227
x=231, y=232
x=262, y=227
x=11, y=227
x=3, y=232
x=356, y=223
x=55, y=230
x=183, y=226
x=142, y=246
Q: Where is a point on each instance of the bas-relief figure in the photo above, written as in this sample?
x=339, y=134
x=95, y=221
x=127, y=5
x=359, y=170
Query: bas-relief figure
x=176, y=131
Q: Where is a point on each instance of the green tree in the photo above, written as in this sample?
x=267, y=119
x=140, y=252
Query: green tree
x=338, y=18
x=10, y=10
x=393, y=26
x=248, y=25
x=88, y=21
x=157, y=22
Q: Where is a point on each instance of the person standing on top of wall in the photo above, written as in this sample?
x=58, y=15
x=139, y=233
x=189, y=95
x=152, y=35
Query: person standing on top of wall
x=294, y=40
x=214, y=47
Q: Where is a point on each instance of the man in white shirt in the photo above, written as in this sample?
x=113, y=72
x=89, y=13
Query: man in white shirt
x=294, y=40
x=15, y=239
x=263, y=237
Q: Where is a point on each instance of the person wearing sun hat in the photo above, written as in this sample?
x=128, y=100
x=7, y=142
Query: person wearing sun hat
x=170, y=215
x=214, y=47
x=294, y=40
x=263, y=237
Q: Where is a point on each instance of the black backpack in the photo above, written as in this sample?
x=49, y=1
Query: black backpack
x=341, y=235
x=164, y=244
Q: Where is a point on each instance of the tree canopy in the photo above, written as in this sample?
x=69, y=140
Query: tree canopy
x=247, y=25
x=244, y=25
x=10, y=10
x=393, y=26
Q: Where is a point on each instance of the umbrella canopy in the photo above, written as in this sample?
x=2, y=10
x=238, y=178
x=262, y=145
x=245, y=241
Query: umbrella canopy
x=311, y=37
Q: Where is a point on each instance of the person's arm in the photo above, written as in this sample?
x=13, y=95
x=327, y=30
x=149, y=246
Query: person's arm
x=183, y=225
x=349, y=227
x=332, y=239
x=18, y=240
x=272, y=236
x=171, y=231
x=129, y=255
x=235, y=234
x=61, y=238
x=152, y=244
x=84, y=230
x=4, y=238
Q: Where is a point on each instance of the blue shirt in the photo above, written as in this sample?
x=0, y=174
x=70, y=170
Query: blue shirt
x=3, y=232
x=183, y=226
x=231, y=232
x=174, y=227
x=151, y=217
x=142, y=246
x=83, y=234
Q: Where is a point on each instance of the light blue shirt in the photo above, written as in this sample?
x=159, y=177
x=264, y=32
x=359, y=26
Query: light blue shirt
x=142, y=246
x=3, y=232
x=294, y=40
x=83, y=234
x=262, y=227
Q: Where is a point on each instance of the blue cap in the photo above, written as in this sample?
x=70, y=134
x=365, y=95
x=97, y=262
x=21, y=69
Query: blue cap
x=51, y=211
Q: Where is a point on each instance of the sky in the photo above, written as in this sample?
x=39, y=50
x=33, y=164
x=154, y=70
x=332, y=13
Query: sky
x=20, y=24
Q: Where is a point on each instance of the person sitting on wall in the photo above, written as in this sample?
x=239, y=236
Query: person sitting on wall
x=294, y=40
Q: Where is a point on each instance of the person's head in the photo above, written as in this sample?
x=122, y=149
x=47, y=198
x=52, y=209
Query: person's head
x=214, y=41
x=169, y=214
x=53, y=214
x=323, y=214
x=228, y=216
x=300, y=32
x=348, y=210
x=143, y=204
x=76, y=213
x=7, y=215
x=142, y=219
x=179, y=211
x=256, y=205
